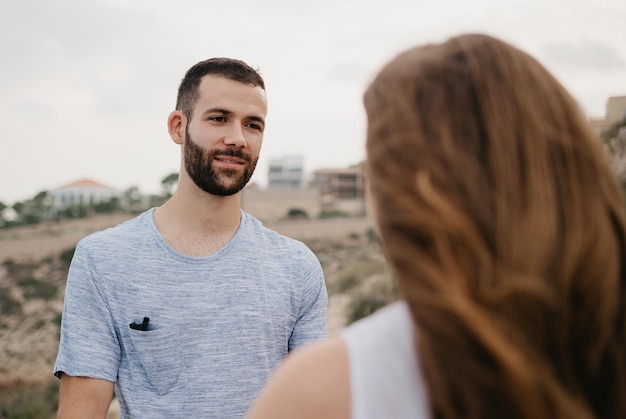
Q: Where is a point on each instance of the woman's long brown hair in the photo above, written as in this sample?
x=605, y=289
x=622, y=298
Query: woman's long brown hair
x=505, y=226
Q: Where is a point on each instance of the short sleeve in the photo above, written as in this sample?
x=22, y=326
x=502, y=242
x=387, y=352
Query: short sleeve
x=88, y=346
x=311, y=324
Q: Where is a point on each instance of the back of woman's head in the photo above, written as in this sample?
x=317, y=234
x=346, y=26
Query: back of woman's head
x=505, y=226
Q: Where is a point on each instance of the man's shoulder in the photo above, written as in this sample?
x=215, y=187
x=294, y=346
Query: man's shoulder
x=128, y=230
x=256, y=228
x=275, y=249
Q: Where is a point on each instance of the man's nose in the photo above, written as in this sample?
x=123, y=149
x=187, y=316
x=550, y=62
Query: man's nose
x=236, y=137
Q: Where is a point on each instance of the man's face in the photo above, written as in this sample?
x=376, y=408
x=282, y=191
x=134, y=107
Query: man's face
x=224, y=135
x=211, y=177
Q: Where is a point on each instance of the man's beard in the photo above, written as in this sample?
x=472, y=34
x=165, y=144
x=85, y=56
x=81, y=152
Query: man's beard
x=199, y=167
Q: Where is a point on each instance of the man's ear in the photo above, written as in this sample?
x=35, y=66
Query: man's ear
x=176, y=124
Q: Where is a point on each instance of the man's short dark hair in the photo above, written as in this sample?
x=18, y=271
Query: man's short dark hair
x=229, y=68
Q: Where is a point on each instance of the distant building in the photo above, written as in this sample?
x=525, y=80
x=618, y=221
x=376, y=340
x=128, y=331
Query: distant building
x=85, y=192
x=342, y=189
x=615, y=112
x=286, y=172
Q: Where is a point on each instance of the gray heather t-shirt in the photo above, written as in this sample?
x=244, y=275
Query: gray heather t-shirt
x=218, y=325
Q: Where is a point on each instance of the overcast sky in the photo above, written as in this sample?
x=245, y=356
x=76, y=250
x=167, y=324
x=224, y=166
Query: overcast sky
x=87, y=85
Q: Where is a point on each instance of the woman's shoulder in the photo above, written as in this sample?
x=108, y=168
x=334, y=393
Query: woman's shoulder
x=312, y=382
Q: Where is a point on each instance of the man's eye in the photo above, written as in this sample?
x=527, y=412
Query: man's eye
x=217, y=118
x=254, y=126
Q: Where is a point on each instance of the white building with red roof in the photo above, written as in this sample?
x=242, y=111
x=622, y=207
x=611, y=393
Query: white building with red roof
x=82, y=192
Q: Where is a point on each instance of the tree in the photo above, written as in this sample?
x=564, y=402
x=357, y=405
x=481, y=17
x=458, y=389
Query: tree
x=610, y=134
x=169, y=183
x=29, y=211
x=132, y=200
x=3, y=206
x=616, y=140
x=18, y=207
x=108, y=206
x=132, y=195
x=41, y=196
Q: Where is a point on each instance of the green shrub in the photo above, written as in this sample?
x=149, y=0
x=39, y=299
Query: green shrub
x=8, y=305
x=18, y=269
x=297, y=214
x=57, y=319
x=613, y=131
x=365, y=302
x=29, y=401
x=67, y=255
x=34, y=288
x=354, y=274
x=38, y=324
x=29, y=411
x=10, y=265
x=372, y=236
x=333, y=214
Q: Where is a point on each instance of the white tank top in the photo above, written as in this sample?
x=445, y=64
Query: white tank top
x=385, y=377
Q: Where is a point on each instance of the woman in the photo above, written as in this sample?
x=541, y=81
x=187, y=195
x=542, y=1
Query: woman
x=505, y=228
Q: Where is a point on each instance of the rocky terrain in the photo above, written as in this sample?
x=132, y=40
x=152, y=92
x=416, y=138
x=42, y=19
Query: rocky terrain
x=34, y=262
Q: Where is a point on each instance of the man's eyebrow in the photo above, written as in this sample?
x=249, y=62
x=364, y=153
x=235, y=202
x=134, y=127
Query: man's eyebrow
x=257, y=119
x=217, y=110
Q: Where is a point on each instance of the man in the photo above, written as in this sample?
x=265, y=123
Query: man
x=185, y=310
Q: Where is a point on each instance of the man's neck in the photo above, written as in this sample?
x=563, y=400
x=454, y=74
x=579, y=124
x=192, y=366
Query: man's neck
x=197, y=223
